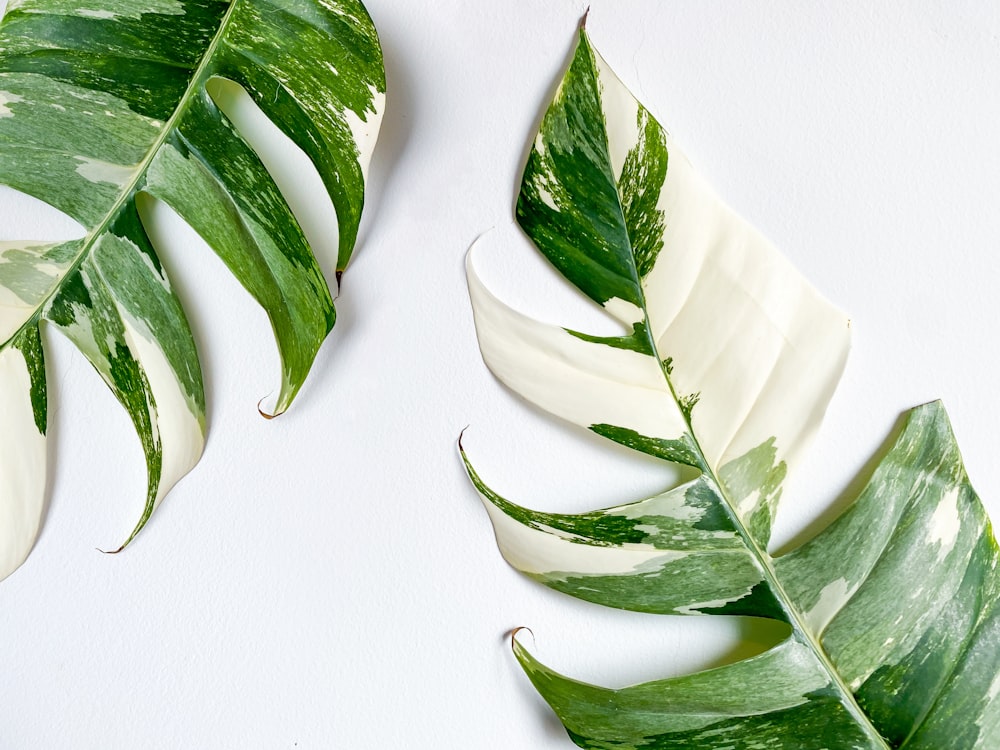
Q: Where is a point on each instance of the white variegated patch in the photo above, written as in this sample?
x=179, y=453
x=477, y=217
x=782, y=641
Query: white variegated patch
x=742, y=327
x=621, y=116
x=81, y=333
x=625, y=311
x=945, y=523
x=543, y=179
x=670, y=504
x=179, y=430
x=95, y=170
x=8, y=98
x=748, y=504
x=104, y=10
x=22, y=463
x=582, y=382
x=831, y=600
x=546, y=551
x=546, y=197
x=539, y=144
x=696, y=609
x=16, y=307
x=13, y=313
x=365, y=130
x=106, y=15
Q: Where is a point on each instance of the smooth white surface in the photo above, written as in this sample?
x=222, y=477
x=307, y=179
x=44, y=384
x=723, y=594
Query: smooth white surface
x=330, y=579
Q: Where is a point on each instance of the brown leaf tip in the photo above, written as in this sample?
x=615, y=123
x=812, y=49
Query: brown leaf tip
x=516, y=631
x=264, y=413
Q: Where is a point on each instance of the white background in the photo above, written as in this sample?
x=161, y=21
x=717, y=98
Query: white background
x=329, y=579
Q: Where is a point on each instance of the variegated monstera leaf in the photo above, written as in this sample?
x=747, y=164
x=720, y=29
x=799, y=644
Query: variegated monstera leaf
x=101, y=100
x=728, y=365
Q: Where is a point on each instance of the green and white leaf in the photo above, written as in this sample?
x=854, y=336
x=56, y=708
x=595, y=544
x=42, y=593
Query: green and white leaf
x=101, y=100
x=727, y=364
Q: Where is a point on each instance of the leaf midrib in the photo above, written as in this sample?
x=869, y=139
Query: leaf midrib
x=762, y=557
x=141, y=169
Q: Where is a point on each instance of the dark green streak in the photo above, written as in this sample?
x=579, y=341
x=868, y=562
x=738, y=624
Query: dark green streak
x=682, y=451
x=29, y=343
x=642, y=179
x=760, y=602
x=638, y=341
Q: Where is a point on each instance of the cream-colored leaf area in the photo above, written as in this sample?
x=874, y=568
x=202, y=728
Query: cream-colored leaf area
x=582, y=382
x=22, y=463
x=741, y=326
x=181, y=435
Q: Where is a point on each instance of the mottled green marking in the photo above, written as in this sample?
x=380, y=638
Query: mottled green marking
x=30, y=272
x=103, y=99
x=569, y=203
x=791, y=707
x=640, y=182
x=753, y=483
x=85, y=311
x=922, y=583
x=682, y=451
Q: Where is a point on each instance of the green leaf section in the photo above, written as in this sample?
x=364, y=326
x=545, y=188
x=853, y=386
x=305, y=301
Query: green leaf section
x=681, y=451
x=709, y=710
x=684, y=551
x=101, y=100
x=29, y=343
x=916, y=651
x=569, y=202
x=892, y=610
